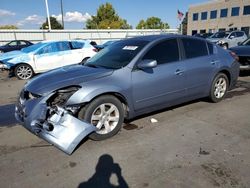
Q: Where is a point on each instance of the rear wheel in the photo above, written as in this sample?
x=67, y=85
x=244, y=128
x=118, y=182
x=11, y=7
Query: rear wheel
x=106, y=113
x=219, y=87
x=23, y=72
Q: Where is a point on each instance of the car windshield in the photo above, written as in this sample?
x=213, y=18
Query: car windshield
x=246, y=42
x=219, y=35
x=117, y=55
x=32, y=47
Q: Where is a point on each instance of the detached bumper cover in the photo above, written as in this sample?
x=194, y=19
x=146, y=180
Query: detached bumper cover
x=60, y=129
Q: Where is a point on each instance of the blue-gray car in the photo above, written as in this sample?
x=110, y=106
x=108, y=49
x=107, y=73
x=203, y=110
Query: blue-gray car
x=128, y=78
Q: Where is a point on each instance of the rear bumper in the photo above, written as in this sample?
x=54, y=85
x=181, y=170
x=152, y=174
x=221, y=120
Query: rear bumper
x=244, y=67
x=58, y=128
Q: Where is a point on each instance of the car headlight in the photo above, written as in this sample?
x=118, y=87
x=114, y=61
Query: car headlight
x=61, y=96
x=220, y=42
x=3, y=66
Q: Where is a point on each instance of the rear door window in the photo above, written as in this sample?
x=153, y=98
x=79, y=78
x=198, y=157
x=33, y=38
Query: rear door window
x=63, y=46
x=77, y=45
x=164, y=52
x=239, y=34
x=194, y=48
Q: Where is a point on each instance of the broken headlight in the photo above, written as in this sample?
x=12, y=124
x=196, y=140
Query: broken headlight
x=61, y=96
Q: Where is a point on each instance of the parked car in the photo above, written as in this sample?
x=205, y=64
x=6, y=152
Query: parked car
x=126, y=79
x=44, y=56
x=203, y=35
x=243, y=52
x=228, y=39
x=101, y=46
x=15, y=45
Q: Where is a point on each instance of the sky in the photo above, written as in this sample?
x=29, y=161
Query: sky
x=30, y=14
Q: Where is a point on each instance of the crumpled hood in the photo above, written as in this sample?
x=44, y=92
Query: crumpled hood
x=241, y=50
x=63, y=77
x=10, y=55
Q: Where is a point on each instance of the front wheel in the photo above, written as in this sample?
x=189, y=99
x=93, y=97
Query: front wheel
x=23, y=72
x=106, y=113
x=225, y=46
x=219, y=87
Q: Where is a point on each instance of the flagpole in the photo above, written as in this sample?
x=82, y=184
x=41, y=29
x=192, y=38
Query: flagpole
x=47, y=10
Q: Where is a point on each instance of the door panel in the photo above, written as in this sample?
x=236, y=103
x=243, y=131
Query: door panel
x=48, y=61
x=161, y=85
x=199, y=72
x=49, y=57
x=200, y=66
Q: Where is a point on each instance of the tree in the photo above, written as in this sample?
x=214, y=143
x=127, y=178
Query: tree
x=152, y=23
x=107, y=18
x=8, y=27
x=141, y=25
x=184, y=24
x=54, y=24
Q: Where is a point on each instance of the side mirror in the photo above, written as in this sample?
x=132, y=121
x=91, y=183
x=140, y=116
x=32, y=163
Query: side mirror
x=147, y=63
x=231, y=37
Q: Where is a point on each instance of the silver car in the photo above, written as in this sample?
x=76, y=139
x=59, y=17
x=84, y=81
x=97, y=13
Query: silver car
x=126, y=79
x=228, y=39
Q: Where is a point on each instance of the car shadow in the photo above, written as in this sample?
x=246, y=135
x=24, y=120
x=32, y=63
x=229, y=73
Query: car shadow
x=105, y=168
x=7, y=117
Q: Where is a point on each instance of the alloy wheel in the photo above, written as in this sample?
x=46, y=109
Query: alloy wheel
x=105, y=117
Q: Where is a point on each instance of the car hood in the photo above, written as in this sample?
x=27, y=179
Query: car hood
x=63, y=77
x=10, y=55
x=241, y=50
x=214, y=40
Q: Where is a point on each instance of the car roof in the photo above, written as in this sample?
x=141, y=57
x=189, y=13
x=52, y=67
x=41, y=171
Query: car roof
x=151, y=38
x=51, y=41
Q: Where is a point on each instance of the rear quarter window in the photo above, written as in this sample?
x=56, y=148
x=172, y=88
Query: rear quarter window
x=194, y=48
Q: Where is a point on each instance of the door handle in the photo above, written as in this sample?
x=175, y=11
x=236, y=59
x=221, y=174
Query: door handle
x=213, y=62
x=179, y=72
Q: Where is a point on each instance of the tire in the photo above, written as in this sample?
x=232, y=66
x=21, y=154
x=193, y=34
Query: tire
x=219, y=88
x=225, y=46
x=84, y=60
x=97, y=113
x=23, y=72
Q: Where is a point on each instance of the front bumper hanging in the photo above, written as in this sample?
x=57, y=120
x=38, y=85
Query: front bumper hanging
x=58, y=128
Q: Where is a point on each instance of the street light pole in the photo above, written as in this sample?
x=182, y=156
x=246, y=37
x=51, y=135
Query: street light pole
x=47, y=9
x=62, y=13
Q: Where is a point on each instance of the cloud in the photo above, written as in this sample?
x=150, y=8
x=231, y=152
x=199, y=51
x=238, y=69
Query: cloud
x=73, y=17
x=6, y=13
x=33, y=19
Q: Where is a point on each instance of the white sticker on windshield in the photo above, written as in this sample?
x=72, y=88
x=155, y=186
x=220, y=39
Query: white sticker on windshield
x=130, y=47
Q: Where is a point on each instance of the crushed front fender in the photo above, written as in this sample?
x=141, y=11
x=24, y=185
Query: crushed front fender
x=60, y=128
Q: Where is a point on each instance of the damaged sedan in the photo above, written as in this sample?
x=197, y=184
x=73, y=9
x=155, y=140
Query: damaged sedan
x=128, y=78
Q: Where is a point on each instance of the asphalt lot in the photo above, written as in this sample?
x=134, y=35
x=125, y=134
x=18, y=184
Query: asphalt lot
x=198, y=144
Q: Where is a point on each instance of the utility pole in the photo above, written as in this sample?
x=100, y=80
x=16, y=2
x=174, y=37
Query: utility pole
x=47, y=9
x=62, y=13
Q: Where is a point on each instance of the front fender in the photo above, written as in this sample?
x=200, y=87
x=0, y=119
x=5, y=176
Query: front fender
x=86, y=95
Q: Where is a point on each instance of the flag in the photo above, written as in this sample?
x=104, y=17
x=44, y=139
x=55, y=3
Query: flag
x=179, y=15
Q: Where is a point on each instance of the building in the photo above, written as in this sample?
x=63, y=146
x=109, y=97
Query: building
x=219, y=15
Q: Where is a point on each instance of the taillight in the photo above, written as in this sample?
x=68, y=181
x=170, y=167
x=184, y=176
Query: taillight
x=95, y=50
x=234, y=55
